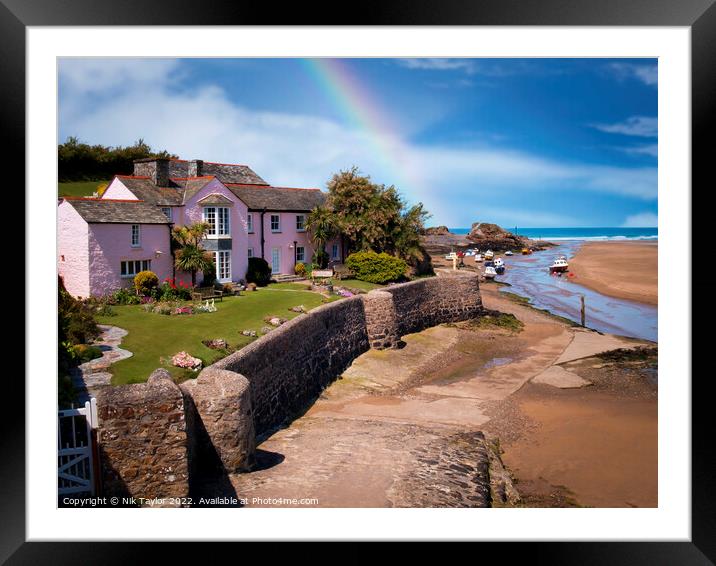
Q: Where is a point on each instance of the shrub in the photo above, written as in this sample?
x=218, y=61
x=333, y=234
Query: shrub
x=125, y=297
x=209, y=276
x=145, y=282
x=76, y=323
x=376, y=268
x=258, y=272
x=300, y=269
x=320, y=259
x=170, y=291
x=84, y=353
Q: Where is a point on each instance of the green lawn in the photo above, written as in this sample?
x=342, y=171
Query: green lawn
x=78, y=188
x=153, y=336
x=356, y=284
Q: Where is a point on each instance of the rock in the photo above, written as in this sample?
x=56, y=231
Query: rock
x=557, y=376
x=491, y=236
x=437, y=231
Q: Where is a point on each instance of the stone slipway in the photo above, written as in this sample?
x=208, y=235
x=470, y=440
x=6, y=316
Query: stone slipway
x=90, y=376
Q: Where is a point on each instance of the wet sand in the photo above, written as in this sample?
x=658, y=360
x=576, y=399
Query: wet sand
x=404, y=428
x=625, y=270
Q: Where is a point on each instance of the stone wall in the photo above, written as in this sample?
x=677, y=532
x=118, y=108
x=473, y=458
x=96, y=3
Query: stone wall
x=435, y=300
x=290, y=366
x=143, y=439
x=155, y=436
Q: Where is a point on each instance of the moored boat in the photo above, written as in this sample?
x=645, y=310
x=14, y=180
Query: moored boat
x=526, y=251
x=489, y=254
x=559, y=265
x=499, y=266
x=478, y=258
x=490, y=272
x=508, y=252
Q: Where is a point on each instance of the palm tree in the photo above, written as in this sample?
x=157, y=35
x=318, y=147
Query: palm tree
x=321, y=224
x=190, y=256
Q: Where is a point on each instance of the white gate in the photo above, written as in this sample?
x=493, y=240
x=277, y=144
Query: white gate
x=76, y=449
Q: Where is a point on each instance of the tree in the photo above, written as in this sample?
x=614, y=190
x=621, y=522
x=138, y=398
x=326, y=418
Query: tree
x=374, y=217
x=321, y=223
x=189, y=255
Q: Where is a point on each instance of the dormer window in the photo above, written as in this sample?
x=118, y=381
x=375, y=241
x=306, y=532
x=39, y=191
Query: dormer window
x=167, y=210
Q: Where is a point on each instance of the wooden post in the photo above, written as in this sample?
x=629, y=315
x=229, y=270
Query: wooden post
x=581, y=300
x=454, y=263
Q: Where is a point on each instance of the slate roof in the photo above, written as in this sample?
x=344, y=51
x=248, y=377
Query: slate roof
x=145, y=190
x=278, y=198
x=189, y=187
x=225, y=172
x=108, y=211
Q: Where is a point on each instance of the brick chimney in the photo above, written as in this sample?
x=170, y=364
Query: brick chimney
x=157, y=169
x=196, y=168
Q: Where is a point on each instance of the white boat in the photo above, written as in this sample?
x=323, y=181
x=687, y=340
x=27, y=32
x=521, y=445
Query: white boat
x=489, y=254
x=508, y=252
x=478, y=258
x=490, y=272
x=559, y=265
x=499, y=262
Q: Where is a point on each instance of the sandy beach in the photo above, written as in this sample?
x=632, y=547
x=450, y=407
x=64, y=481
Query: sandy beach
x=626, y=270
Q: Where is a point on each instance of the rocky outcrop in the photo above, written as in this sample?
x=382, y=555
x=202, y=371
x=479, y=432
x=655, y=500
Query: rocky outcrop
x=491, y=236
x=436, y=231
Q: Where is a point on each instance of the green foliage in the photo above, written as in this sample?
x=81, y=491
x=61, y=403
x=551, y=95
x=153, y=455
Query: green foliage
x=368, y=216
x=84, y=352
x=82, y=162
x=76, y=323
x=300, y=269
x=258, y=272
x=376, y=267
x=145, y=282
x=320, y=259
x=125, y=297
x=189, y=256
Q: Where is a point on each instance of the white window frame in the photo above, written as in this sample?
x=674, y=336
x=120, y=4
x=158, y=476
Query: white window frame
x=128, y=267
x=251, y=252
x=302, y=223
x=250, y=223
x=278, y=223
x=138, y=242
x=218, y=227
x=217, y=255
x=302, y=253
x=168, y=212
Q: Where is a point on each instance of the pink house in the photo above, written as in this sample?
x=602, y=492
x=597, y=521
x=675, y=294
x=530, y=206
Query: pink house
x=103, y=242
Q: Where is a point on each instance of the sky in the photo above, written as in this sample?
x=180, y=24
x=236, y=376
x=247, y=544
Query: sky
x=519, y=142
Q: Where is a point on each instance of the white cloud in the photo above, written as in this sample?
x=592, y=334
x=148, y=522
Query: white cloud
x=651, y=150
x=467, y=65
x=646, y=73
x=644, y=126
x=88, y=75
x=642, y=220
x=302, y=150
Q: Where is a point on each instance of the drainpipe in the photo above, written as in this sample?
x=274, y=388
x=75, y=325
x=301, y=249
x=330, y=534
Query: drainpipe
x=263, y=255
x=295, y=252
x=171, y=251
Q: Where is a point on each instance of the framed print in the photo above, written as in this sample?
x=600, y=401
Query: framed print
x=427, y=276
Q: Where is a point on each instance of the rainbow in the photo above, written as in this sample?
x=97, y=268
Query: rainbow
x=360, y=108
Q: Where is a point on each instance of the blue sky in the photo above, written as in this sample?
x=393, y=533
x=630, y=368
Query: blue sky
x=520, y=142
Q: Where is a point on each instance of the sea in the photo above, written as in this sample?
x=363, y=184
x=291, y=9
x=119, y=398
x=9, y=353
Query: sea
x=561, y=234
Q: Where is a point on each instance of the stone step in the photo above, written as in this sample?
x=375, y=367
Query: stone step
x=285, y=278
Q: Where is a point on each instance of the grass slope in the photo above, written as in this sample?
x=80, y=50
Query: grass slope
x=154, y=336
x=78, y=188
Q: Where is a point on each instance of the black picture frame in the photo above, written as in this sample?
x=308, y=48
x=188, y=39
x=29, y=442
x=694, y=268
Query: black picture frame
x=699, y=15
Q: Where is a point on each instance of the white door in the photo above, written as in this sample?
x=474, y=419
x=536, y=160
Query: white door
x=275, y=260
x=223, y=266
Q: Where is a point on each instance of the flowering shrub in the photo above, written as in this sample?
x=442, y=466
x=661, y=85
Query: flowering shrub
x=300, y=269
x=345, y=293
x=184, y=310
x=184, y=360
x=170, y=291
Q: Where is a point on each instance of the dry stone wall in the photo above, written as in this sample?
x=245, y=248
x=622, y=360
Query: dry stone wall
x=143, y=439
x=290, y=366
